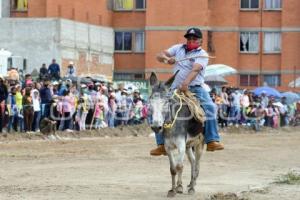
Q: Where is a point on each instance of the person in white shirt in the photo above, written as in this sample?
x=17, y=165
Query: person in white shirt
x=36, y=101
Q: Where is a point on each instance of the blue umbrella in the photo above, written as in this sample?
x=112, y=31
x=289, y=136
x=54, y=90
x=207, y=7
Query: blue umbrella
x=267, y=90
x=291, y=97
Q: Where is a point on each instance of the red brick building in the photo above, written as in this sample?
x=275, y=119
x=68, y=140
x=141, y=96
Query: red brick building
x=260, y=38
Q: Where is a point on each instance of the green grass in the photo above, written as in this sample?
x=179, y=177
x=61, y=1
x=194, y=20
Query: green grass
x=291, y=178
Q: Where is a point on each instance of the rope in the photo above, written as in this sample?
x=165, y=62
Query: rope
x=195, y=109
x=170, y=125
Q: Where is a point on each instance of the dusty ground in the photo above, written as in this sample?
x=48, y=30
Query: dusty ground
x=115, y=164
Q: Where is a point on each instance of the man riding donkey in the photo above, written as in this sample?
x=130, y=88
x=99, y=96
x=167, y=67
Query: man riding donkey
x=191, y=77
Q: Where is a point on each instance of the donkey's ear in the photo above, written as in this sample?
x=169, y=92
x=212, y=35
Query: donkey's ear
x=169, y=82
x=153, y=79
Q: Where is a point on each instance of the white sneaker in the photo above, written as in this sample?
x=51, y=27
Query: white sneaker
x=51, y=137
x=69, y=130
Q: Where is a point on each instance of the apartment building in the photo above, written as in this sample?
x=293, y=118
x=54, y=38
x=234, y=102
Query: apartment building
x=260, y=38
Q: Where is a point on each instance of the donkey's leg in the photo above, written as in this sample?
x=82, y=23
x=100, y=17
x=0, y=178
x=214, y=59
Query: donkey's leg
x=172, y=192
x=198, y=152
x=192, y=160
x=179, y=165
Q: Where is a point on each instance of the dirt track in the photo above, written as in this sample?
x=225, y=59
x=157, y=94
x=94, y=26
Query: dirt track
x=121, y=168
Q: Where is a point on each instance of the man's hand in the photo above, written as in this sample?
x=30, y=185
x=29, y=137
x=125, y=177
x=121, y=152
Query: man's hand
x=163, y=58
x=184, y=87
x=171, y=61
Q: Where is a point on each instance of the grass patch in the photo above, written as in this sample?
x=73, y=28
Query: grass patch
x=291, y=178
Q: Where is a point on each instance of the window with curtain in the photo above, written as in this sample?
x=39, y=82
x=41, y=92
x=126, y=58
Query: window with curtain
x=272, y=4
x=272, y=80
x=139, y=42
x=140, y=4
x=248, y=80
x=19, y=5
x=123, y=4
x=129, y=4
x=272, y=42
x=253, y=80
x=249, y=42
x=243, y=80
x=123, y=41
x=249, y=4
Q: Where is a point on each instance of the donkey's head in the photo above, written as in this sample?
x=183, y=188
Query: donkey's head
x=160, y=101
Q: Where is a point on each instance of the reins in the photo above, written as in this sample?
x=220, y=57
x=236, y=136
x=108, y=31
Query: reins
x=170, y=125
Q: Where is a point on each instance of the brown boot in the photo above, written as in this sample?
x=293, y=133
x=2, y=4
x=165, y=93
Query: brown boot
x=213, y=146
x=160, y=150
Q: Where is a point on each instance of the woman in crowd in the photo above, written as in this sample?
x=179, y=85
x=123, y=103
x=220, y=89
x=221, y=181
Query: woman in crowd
x=28, y=110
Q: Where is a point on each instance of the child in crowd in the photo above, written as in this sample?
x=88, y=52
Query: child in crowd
x=99, y=115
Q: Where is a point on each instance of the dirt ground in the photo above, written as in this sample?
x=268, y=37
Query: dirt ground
x=115, y=164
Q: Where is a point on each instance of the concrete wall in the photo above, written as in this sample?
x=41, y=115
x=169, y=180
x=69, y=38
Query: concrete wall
x=90, y=47
x=40, y=40
x=36, y=40
x=4, y=8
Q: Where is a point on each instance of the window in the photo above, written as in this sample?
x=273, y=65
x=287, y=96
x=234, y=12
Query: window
x=249, y=42
x=140, y=4
x=249, y=4
x=139, y=42
x=124, y=41
x=272, y=80
x=19, y=5
x=248, y=80
x=272, y=4
x=129, y=4
x=272, y=42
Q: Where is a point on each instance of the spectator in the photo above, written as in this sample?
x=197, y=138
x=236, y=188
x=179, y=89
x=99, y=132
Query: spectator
x=46, y=96
x=71, y=70
x=36, y=101
x=235, y=107
x=264, y=100
x=12, y=110
x=54, y=70
x=43, y=73
x=28, y=110
x=3, y=97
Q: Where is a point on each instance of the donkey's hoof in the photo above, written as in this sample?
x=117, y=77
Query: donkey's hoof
x=171, y=193
x=191, y=191
x=179, y=189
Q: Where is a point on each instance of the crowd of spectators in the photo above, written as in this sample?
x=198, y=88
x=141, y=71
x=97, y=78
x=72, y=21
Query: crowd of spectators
x=73, y=106
x=241, y=107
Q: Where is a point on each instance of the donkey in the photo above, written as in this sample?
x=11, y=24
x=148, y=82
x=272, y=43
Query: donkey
x=184, y=134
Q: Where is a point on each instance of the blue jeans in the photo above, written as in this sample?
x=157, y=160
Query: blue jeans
x=211, y=124
x=159, y=138
x=235, y=114
x=36, y=120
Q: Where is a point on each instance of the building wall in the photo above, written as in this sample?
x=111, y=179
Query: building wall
x=165, y=23
x=4, y=8
x=40, y=40
x=89, y=46
x=34, y=40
